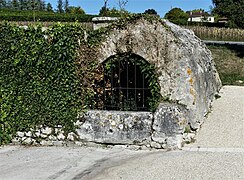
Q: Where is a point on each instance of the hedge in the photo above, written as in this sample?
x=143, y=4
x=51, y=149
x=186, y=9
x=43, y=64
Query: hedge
x=27, y=15
x=38, y=78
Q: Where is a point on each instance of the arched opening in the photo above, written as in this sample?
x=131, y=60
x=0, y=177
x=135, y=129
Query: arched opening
x=128, y=83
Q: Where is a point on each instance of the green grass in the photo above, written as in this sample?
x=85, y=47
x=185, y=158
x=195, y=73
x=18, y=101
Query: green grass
x=229, y=61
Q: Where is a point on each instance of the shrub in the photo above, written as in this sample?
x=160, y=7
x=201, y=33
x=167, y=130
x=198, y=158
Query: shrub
x=27, y=15
x=38, y=78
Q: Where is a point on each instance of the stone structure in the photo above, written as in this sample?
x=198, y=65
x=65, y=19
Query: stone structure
x=188, y=80
x=116, y=127
x=99, y=22
x=188, y=84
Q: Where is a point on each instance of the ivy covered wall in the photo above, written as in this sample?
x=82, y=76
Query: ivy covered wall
x=46, y=77
x=39, y=85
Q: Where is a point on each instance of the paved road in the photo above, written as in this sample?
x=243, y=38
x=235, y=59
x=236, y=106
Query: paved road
x=224, y=42
x=30, y=163
x=218, y=153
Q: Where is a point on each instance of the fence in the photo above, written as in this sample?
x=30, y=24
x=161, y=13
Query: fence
x=218, y=34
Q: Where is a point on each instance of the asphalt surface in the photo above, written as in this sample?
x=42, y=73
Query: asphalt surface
x=30, y=163
x=218, y=153
x=224, y=42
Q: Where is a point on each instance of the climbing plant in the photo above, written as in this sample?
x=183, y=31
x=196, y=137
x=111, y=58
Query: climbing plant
x=38, y=78
x=47, y=76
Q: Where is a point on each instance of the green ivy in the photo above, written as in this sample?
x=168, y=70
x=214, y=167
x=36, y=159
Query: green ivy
x=38, y=78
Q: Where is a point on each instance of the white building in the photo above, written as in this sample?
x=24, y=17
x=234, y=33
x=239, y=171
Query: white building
x=200, y=17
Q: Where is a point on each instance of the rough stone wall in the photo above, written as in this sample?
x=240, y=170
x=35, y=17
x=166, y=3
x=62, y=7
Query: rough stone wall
x=45, y=136
x=116, y=127
x=188, y=80
x=187, y=73
x=162, y=129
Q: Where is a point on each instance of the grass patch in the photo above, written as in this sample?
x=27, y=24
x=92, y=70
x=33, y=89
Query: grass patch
x=229, y=61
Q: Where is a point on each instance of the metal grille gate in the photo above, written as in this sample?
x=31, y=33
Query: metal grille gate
x=123, y=86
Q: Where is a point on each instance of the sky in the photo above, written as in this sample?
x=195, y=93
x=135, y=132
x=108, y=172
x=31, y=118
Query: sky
x=139, y=6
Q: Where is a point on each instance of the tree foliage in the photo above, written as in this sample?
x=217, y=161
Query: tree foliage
x=232, y=9
x=39, y=5
x=177, y=16
x=66, y=5
x=110, y=12
x=60, y=6
x=3, y=4
x=49, y=7
x=151, y=12
x=75, y=10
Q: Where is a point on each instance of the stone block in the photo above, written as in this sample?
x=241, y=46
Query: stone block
x=46, y=130
x=43, y=136
x=116, y=127
x=37, y=134
x=27, y=141
x=61, y=137
x=169, y=121
x=156, y=145
x=28, y=134
x=20, y=134
x=71, y=136
x=52, y=138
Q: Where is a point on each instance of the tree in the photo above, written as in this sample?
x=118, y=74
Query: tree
x=103, y=11
x=49, y=7
x=21, y=4
x=197, y=10
x=75, y=10
x=27, y=5
x=111, y=12
x=122, y=4
x=66, y=5
x=15, y=4
x=231, y=9
x=34, y=5
x=177, y=16
x=60, y=6
x=151, y=12
x=42, y=5
x=3, y=3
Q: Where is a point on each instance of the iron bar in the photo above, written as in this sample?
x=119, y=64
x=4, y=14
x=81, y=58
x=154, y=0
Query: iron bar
x=127, y=83
x=135, y=87
x=121, y=93
x=143, y=91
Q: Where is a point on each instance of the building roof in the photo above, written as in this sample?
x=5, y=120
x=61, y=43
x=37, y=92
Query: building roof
x=197, y=14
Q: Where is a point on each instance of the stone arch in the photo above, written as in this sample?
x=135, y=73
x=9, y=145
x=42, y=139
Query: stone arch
x=127, y=84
